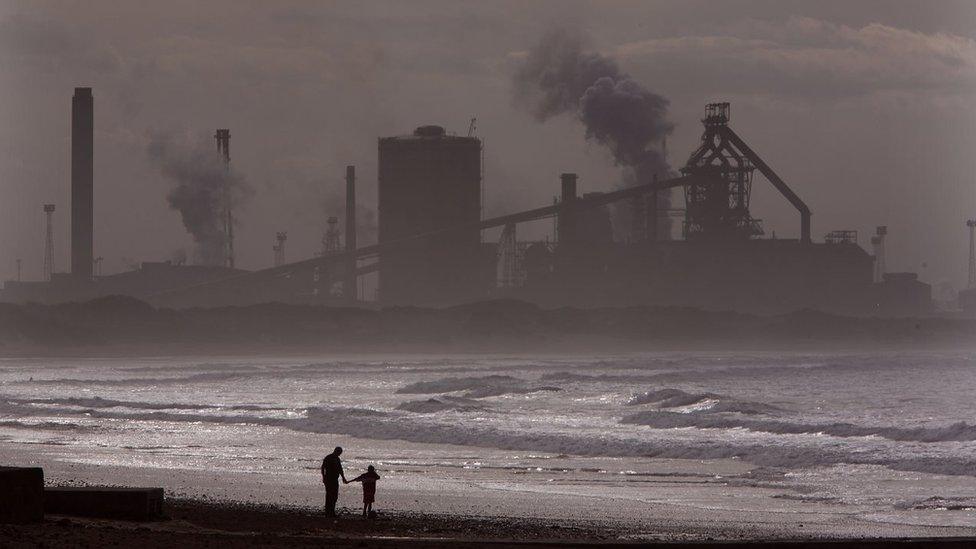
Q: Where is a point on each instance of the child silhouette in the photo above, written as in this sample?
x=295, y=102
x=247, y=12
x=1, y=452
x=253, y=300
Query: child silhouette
x=368, y=479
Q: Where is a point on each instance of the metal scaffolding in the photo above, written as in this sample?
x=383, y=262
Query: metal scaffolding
x=511, y=272
x=279, y=248
x=718, y=202
x=878, y=243
x=330, y=241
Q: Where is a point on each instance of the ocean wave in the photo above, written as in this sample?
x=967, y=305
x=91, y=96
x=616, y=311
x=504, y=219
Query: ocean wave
x=55, y=426
x=710, y=403
x=99, y=402
x=476, y=387
x=136, y=381
x=380, y=425
x=571, y=377
x=955, y=432
x=442, y=404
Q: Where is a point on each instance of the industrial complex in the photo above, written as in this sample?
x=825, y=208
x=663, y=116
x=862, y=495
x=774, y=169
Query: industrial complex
x=431, y=249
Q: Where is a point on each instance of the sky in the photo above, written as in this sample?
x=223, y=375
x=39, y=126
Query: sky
x=865, y=108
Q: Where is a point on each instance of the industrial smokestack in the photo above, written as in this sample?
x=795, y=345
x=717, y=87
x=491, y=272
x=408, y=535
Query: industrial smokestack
x=82, y=183
x=350, y=286
x=223, y=148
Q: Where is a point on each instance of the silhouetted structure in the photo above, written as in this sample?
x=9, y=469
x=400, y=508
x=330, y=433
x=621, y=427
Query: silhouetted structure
x=430, y=250
x=967, y=297
x=878, y=243
x=901, y=294
x=222, y=137
x=428, y=182
x=972, y=253
x=717, y=206
x=330, y=241
x=82, y=183
x=279, y=248
x=48, y=242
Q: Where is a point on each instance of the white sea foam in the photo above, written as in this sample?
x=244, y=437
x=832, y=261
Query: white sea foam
x=959, y=431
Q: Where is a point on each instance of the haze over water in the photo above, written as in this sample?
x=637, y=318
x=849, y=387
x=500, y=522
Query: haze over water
x=887, y=437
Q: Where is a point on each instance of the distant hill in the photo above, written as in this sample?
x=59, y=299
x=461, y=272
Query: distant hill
x=127, y=324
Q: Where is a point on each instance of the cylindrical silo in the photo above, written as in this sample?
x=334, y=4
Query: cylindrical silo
x=430, y=181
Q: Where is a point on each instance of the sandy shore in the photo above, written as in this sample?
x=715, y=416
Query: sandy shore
x=273, y=508
x=196, y=523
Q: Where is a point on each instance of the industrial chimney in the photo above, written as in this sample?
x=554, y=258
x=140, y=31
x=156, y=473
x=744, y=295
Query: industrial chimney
x=972, y=254
x=82, y=183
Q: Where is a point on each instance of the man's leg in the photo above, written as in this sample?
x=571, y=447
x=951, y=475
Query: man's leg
x=331, y=497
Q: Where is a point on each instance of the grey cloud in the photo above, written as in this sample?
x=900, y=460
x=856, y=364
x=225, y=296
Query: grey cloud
x=809, y=57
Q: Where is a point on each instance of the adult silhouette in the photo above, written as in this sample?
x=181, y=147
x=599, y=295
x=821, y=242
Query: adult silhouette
x=331, y=472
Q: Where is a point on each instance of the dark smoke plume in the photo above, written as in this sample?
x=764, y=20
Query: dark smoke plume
x=558, y=76
x=201, y=181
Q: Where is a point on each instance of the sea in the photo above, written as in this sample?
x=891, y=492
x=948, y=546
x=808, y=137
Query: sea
x=889, y=436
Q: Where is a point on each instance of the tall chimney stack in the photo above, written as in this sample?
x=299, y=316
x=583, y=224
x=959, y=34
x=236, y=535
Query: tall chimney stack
x=82, y=183
x=350, y=287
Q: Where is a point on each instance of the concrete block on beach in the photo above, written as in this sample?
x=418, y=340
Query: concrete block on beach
x=21, y=494
x=105, y=502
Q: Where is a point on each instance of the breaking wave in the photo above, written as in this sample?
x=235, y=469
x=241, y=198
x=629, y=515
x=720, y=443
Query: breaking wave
x=98, y=403
x=955, y=432
x=383, y=426
x=398, y=425
x=707, y=402
x=476, y=387
x=442, y=404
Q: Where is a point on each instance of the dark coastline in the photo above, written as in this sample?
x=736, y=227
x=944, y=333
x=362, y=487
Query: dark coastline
x=121, y=326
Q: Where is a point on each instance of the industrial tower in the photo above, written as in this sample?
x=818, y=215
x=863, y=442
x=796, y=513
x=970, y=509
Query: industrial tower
x=972, y=253
x=49, y=242
x=878, y=242
x=223, y=147
x=82, y=183
x=279, y=248
x=717, y=203
x=330, y=242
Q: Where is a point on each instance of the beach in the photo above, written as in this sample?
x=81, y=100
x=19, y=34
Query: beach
x=632, y=448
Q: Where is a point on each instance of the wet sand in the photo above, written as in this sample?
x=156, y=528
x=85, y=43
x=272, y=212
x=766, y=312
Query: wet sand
x=225, y=507
x=195, y=523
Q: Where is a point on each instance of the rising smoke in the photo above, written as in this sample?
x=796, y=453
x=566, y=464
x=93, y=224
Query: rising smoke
x=559, y=77
x=201, y=180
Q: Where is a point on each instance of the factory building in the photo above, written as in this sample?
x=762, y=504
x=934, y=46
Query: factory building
x=431, y=181
x=430, y=250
